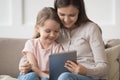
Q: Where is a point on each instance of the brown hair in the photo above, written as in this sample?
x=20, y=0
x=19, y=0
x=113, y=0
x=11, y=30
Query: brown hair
x=43, y=15
x=79, y=4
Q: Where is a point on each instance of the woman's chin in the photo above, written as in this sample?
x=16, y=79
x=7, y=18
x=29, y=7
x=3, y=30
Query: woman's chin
x=68, y=26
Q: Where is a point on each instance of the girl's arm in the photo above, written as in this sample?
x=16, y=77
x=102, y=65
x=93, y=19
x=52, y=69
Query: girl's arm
x=34, y=65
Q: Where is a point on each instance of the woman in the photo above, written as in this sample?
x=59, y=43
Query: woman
x=84, y=36
x=81, y=34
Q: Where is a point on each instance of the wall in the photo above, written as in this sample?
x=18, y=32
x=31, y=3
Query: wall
x=17, y=17
x=107, y=14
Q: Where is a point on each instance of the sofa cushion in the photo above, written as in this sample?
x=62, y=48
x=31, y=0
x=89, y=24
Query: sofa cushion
x=112, y=42
x=10, y=54
x=6, y=77
x=113, y=56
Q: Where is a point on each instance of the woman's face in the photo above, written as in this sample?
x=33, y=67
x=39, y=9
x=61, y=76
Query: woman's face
x=68, y=16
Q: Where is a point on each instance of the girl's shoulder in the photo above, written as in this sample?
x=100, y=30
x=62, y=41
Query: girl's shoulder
x=56, y=44
x=57, y=47
x=32, y=41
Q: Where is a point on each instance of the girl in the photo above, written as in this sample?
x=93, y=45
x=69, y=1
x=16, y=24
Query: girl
x=43, y=44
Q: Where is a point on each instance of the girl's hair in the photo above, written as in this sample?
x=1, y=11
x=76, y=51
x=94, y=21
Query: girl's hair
x=43, y=15
x=79, y=4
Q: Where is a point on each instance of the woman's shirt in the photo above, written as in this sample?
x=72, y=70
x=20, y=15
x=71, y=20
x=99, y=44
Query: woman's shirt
x=87, y=41
x=33, y=46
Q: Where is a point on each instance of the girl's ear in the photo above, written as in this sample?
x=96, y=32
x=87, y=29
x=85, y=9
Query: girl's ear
x=37, y=28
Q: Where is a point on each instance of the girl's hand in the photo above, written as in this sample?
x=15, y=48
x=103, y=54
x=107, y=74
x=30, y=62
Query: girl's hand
x=39, y=72
x=76, y=68
x=44, y=74
x=25, y=67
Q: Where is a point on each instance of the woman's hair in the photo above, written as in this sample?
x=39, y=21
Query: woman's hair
x=79, y=4
x=43, y=15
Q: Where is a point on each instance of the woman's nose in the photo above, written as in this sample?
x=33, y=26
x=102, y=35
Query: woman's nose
x=66, y=18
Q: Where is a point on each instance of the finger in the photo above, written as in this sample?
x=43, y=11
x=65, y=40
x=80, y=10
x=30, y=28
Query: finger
x=25, y=65
x=71, y=64
x=67, y=64
x=69, y=68
x=24, y=70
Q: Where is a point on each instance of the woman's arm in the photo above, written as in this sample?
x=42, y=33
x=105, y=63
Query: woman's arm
x=98, y=50
x=24, y=65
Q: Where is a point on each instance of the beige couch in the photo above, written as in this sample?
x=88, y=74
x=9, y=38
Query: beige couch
x=10, y=54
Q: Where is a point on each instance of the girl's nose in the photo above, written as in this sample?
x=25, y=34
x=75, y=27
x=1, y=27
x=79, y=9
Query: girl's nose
x=52, y=34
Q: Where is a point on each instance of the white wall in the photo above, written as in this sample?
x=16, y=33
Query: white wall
x=17, y=17
x=107, y=14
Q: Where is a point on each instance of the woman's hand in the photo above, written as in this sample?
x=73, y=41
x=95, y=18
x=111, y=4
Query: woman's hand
x=76, y=68
x=25, y=67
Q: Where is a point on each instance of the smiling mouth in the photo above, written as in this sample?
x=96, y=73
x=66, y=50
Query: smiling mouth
x=67, y=23
x=50, y=39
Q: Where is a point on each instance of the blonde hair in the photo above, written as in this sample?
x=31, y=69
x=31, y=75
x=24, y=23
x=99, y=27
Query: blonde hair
x=43, y=15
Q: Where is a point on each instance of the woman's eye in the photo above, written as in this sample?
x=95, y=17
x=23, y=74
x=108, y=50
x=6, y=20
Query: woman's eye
x=57, y=31
x=72, y=15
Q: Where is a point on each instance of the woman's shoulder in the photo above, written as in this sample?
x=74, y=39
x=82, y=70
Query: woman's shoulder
x=91, y=26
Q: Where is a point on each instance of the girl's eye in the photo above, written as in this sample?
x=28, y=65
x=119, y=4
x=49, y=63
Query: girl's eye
x=47, y=31
x=61, y=14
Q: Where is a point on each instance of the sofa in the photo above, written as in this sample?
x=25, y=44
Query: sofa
x=10, y=54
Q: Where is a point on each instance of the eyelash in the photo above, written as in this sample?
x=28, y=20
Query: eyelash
x=47, y=31
x=50, y=31
x=69, y=15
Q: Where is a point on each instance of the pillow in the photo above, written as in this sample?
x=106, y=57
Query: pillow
x=112, y=42
x=113, y=54
x=6, y=77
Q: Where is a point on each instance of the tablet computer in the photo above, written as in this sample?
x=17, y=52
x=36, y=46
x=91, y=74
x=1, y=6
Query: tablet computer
x=57, y=62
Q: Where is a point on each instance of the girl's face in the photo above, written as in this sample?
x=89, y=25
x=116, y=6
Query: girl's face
x=49, y=32
x=68, y=16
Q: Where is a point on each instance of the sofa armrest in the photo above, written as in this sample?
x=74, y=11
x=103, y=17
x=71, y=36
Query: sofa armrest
x=113, y=54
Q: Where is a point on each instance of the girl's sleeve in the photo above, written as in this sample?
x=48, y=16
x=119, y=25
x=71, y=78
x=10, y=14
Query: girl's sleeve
x=59, y=48
x=28, y=47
